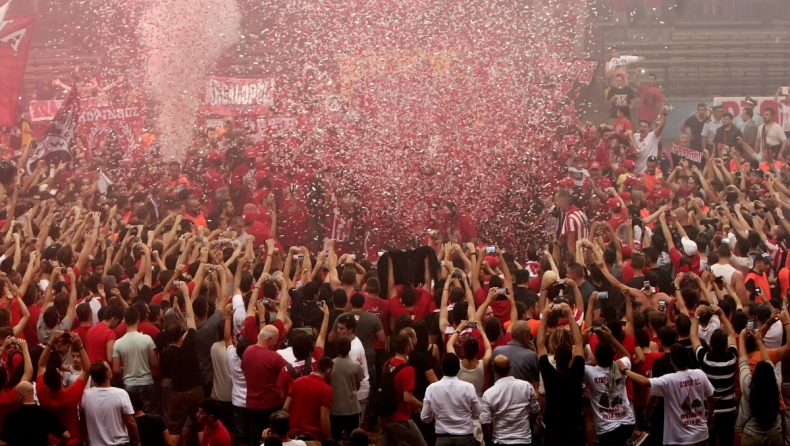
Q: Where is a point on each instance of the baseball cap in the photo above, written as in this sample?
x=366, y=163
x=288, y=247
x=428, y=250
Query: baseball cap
x=570, y=140
x=628, y=164
x=663, y=193
x=614, y=203
x=215, y=156
x=626, y=196
x=567, y=182
x=762, y=257
x=652, y=159
x=595, y=165
x=249, y=216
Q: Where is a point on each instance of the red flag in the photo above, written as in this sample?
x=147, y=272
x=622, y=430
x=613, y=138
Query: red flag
x=55, y=145
x=15, y=33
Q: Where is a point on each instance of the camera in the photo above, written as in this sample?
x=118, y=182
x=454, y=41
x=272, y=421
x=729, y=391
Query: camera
x=108, y=242
x=265, y=302
x=272, y=279
x=319, y=303
x=471, y=324
x=199, y=240
x=64, y=271
x=177, y=283
x=503, y=291
x=662, y=305
x=597, y=327
x=603, y=295
x=457, y=275
x=758, y=290
x=490, y=249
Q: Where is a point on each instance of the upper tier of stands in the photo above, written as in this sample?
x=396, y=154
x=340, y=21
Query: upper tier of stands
x=702, y=60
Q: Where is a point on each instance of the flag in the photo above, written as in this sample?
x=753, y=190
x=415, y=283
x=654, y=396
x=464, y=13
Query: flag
x=15, y=33
x=54, y=146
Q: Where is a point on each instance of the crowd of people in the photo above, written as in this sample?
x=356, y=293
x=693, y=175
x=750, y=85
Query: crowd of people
x=213, y=301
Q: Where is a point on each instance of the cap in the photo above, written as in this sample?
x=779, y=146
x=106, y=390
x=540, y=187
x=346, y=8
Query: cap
x=216, y=156
x=628, y=164
x=250, y=152
x=689, y=246
x=595, y=165
x=750, y=101
x=717, y=108
x=249, y=216
x=567, y=182
x=492, y=261
x=652, y=159
x=570, y=140
x=762, y=257
x=614, y=203
x=626, y=196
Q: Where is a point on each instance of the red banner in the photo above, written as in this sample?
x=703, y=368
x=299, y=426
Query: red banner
x=43, y=110
x=15, y=33
x=123, y=123
x=229, y=96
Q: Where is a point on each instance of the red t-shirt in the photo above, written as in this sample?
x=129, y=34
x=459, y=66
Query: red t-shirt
x=381, y=309
x=98, y=336
x=30, y=328
x=63, y=404
x=422, y=305
x=645, y=369
x=142, y=327
x=675, y=256
x=261, y=368
x=285, y=380
x=308, y=395
x=82, y=332
x=404, y=382
x=501, y=308
x=215, y=437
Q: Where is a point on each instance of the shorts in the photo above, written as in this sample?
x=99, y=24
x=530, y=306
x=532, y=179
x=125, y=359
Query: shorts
x=184, y=405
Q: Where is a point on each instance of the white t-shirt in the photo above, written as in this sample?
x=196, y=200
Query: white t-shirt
x=239, y=314
x=610, y=409
x=133, y=350
x=295, y=443
x=104, y=409
x=773, y=338
x=706, y=332
x=578, y=176
x=223, y=385
x=357, y=353
x=621, y=61
x=685, y=401
x=775, y=135
x=647, y=147
x=709, y=130
x=238, y=395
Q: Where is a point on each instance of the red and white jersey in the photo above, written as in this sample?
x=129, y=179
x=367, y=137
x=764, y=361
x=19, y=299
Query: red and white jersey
x=533, y=268
x=575, y=221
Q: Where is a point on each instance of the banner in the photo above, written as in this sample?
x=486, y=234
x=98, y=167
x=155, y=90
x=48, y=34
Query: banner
x=15, y=34
x=43, y=110
x=121, y=125
x=234, y=96
x=56, y=143
x=694, y=157
x=736, y=104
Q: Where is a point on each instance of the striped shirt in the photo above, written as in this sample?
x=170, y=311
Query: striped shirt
x=722, y=374
x=575, y=221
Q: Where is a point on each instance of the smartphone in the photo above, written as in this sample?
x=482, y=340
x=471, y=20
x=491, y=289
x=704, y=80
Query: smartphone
x=251, y=261
x=272, y=278
x=503, y=291
x=750, y=325
x=758, y=290
x=352, y=257
x=597, y=327
x=646, y=285
x=662, y=305
x=786, y=91
x=108, y=241
x=265, y=302
x=319, y=303
x=490, y=249
x=381, y=253
x=177, y=283
x=603, y=295
x=471, y=325
x=443, y=263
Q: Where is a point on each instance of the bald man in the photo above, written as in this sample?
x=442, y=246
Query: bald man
x=521, y=353
x=508, y=406
x=29, y=424
x=261, y=365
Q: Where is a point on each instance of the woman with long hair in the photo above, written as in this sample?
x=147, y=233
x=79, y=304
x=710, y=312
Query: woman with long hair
x=759, y=417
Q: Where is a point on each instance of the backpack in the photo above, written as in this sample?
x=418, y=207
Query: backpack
x=306, y=370
x=385, y=397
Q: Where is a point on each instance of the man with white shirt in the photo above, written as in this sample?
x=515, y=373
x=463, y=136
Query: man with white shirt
x=507, y=407
x=453, y=404
x=346, y=325
x=711, y=127
x=687, y=393
x=647, y=141
x=770, y=134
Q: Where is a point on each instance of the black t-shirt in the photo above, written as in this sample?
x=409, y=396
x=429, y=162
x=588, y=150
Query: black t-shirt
x=30, y=425
x=694, y=364
x=665, y=283
x=422, y=362
x=181, y=364
x=151, y=429
x=563, y=392
x=524, y=294
x=696, y=131
x=624, y=96
x=329, y=348
x=304, y=313
x=636, y=282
